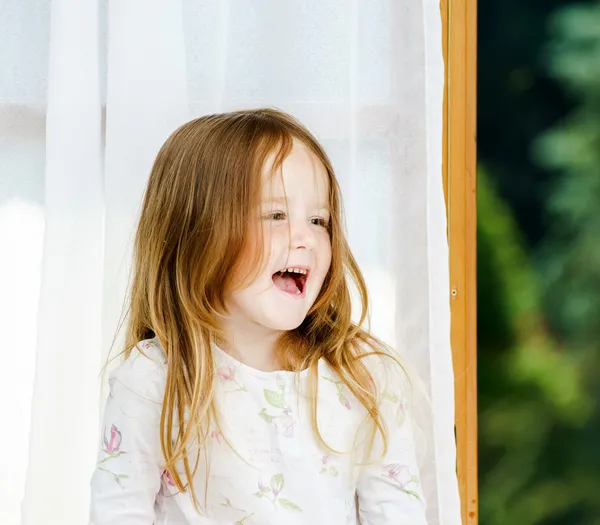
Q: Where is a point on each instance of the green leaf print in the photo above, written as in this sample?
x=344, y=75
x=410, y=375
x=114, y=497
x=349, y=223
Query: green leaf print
x=289, y=505
x=268, y=418
x=391, y=396
x=275, y=399
x=116, y=477
x=411, y=493
x=112, y=456
x=230, y=506
x=277, y=483
x=400, y=416
x=339, y=386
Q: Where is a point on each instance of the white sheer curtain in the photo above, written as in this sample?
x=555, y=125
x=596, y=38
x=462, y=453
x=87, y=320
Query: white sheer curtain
x=366, y=77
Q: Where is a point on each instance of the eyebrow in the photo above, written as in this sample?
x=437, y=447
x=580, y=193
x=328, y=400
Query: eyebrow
x=283, y=200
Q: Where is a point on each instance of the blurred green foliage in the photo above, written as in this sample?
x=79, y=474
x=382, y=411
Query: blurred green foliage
x=539, y=262
x=571, y=258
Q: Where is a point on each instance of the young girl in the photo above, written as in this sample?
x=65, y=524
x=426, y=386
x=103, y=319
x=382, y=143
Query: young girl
x=247, y=395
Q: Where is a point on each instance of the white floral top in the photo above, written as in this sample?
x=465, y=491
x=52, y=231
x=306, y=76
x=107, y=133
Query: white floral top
x=266, y=465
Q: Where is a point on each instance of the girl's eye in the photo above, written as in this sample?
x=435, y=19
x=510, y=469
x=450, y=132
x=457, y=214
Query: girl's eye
x=319, y=221
x=275, y=216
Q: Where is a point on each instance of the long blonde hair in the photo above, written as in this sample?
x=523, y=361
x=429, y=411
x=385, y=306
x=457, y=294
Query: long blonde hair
x=203, y=191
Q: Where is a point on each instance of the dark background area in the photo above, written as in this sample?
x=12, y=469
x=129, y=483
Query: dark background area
x=539, y=262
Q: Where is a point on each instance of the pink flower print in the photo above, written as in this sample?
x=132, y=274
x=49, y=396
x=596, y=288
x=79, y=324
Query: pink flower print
x=344, y=401
x=168, y=479
x=277, y=483
x=285, y=423
x=217, y=435
x=339, y=386
x=273, y=491
x=226, y=373
x=324, y=461
x=402, y=476
x=113, y=451
x=112, y=446
x=333, y=470
x=399, y=473
x=166, y=475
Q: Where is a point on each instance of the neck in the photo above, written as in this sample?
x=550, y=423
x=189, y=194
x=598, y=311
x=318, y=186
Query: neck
x=250, y=343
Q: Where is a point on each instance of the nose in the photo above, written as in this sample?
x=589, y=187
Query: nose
x=302, y=235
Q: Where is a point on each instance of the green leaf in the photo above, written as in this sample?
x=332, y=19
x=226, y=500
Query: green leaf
x=411, y=493
x=111, y=456
x=391, y=396
x=274, y=398
x=287, y=504
x=277, y=483
x=400, y=416
x=266, y=416
x=333, y=471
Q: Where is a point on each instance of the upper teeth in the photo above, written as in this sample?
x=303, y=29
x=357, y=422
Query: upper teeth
x=295, y=270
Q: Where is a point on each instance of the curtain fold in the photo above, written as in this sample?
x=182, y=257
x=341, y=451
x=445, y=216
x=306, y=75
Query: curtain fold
x=63, y=428
x=146, y=99
x=366, y=77
x=441, y=375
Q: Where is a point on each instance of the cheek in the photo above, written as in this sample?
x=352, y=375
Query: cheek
x=275, y=237
x=326, y=253
x=247, y=268
x=326, y=240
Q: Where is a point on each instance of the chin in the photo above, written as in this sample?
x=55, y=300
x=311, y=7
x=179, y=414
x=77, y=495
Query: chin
x=285, y=324
x=279, y=320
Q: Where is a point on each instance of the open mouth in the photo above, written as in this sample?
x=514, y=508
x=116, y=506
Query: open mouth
x=291, y=280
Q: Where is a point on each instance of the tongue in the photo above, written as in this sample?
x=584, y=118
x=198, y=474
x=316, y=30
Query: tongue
x=286, y=283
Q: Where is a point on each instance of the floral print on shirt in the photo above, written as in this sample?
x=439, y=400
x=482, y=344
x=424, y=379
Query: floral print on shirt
x=111, y=447
x=328, y=469
x=302, y=481
x=228, y=375
x=400, y=403
x=272, y=491
x=340, y=387
x=245, y=515
x=403, y=477
x=217, y=435
x=166, y=479
x=279, y=413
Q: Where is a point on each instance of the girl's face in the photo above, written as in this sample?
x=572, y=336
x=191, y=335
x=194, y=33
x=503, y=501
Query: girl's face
x=293, y=217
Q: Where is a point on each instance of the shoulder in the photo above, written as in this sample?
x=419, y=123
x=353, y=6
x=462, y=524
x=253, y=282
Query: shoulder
x=143, y=373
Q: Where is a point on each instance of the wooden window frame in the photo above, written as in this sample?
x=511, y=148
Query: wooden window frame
x=459, y=18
